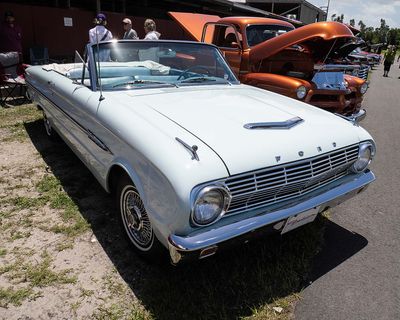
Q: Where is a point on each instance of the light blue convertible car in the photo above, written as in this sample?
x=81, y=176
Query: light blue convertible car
x=195, y=158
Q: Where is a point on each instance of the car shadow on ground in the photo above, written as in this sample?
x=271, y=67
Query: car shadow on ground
x=227, y=286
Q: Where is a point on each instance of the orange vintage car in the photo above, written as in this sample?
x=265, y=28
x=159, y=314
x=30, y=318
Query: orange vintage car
x=273, y=55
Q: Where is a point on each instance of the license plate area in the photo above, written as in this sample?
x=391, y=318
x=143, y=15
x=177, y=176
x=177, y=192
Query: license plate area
x=300, y=219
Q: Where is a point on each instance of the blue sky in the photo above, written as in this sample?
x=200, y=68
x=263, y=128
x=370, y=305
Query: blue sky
x=369, y=11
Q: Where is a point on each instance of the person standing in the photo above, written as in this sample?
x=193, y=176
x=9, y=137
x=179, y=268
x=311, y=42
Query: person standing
x=100, y=32
x=129, y=32
x=150, y=29
x=10, y=34
x=389, y=57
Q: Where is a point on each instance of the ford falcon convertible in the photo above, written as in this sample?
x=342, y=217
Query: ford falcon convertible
x=196, y=160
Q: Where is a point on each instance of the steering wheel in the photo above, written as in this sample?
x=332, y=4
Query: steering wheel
x=185, y=72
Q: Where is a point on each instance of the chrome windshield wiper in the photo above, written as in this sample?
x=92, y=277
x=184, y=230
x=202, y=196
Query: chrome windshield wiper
x=140, y=81
x=197, y=79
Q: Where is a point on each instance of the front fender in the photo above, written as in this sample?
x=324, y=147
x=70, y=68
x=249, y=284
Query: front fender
x=354, y=81
x=125, y=166
x=274, y=82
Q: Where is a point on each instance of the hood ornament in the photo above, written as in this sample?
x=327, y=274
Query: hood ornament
x=274, y=125
x=192, y=149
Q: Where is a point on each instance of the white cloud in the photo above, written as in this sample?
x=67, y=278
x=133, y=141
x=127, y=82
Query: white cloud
x=369, y=11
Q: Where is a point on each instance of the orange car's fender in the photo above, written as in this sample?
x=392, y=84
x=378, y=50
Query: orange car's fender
x=274, y=82
x=354, y=81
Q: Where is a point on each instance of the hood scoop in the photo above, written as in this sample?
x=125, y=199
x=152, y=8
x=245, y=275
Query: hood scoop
x=274, y=125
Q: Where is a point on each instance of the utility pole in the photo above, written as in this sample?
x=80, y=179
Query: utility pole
x=327, y=9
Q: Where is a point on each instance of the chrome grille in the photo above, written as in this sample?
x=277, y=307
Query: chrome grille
x=278, y=183
x=363, y=72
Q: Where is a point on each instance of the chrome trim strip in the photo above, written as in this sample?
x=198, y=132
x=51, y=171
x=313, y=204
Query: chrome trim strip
x=90, y=134
x=97, y=141
x=331, y=198
x=274, y=125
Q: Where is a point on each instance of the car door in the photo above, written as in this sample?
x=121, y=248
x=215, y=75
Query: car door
x=77, y=105
x=227, y=38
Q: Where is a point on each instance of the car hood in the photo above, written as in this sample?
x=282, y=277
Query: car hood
x=217, y=114
x=346, y=49
x=193, y=23
x=320, y=38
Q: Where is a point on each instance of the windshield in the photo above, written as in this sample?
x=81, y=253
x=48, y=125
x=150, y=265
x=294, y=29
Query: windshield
x=260, y=33
x=146, y=64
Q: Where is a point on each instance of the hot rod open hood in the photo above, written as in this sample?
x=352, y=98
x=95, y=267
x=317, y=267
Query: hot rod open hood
x=320, y=38
x=193, y=23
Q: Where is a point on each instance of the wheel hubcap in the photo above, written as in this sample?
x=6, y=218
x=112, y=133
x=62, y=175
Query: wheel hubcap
x=47, y=124
x=136, y=220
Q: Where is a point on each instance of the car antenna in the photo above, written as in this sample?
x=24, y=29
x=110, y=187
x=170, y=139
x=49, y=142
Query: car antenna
x=98, y=67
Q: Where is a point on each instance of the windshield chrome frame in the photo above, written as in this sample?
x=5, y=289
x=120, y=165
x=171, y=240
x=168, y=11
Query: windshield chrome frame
x=92, y=61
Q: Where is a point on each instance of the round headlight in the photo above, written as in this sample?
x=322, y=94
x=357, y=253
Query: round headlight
x=364, y=88
x=210, y=205
x=365, y=155
x=301, y=92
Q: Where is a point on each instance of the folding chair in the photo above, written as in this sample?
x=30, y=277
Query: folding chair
x=12, y=76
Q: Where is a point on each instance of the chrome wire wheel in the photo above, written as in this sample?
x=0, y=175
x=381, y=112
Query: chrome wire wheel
x=135, y=219
x=47, y=125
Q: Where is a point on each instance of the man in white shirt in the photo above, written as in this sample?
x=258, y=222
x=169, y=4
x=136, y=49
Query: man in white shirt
x=101, y=33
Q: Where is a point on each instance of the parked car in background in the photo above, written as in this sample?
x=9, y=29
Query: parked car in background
x=195, y=159
x=364, y=57
x=340, y=60
x=271, y=54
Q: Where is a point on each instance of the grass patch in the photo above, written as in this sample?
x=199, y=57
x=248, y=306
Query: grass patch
x=37, y=275
x=65, y=245
x=15, y=235
x=74, y=224
x=3, y=252
x=14, y=297
x=77, y=228
x=48, y=184
x=13, y=119
x=86, y=293
x=21, y=203
x=25, y=113
x=119, y=311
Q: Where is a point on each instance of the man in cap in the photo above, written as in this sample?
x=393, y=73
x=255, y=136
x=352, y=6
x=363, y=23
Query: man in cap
x=100, y=32
x=129, y=32
x=10, y=34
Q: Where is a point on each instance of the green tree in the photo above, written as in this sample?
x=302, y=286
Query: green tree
x=362, y=27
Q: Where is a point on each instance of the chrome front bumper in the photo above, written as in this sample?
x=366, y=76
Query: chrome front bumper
x=210, y=239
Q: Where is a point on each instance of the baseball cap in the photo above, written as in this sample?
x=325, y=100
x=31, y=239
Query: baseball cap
x=101, y=16
x=126, y=20
x=8, y=14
